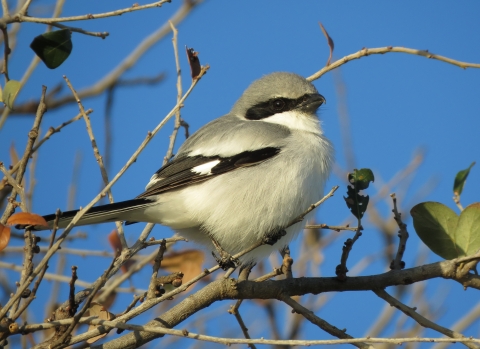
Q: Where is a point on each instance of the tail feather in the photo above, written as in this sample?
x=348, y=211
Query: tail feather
x=118, y=211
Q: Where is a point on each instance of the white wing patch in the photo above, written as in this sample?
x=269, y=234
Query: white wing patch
x=153, y=180
x=205, y=169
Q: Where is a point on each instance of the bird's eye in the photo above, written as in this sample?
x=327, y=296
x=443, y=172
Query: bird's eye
x=278, y=104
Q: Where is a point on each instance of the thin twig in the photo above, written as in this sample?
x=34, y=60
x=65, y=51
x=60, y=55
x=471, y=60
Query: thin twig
x=35, y=60
x=314, y=206
x=178, y=118
x=42, y=273
x=85, y=307
x=234, y=311
x=49, y=133
x=411, y=312
x=66, y=231
x=18, y=188
x=21, y=18
x=324, y=325
x=6, y=50
x=6, y=12
x=331, y=227
x=32, y=136
x=98, y=157
x=102, y=35
x=397, y=263
x=114, y=75
x=93, y=320
x=382, y=50
x=152, y=287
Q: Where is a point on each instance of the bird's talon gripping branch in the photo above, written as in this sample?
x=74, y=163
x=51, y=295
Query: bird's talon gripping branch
x=273, y=237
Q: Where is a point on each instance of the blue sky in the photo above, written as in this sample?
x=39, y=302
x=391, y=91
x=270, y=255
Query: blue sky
x=397, y=105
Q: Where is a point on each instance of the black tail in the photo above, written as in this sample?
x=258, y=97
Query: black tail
x=118, y=211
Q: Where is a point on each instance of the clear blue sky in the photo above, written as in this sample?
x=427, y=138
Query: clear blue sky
x=397, y=104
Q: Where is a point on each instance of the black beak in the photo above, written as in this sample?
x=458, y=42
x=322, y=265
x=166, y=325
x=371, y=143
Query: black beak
x=312, y=102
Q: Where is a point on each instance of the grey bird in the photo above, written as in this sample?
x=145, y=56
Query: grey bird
x=240, y=177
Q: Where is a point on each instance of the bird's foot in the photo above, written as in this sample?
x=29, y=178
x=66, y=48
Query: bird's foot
x=225, y=259
x=272, y=237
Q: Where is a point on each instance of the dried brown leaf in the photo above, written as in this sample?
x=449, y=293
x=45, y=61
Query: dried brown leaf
x=96, y=309
x=4, y=236
x=22, y=220
x=194, y=62
x=189, y=262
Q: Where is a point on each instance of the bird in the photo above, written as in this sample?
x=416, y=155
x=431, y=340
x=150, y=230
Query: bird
x=241, y=176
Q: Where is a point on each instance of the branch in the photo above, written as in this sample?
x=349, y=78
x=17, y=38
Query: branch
x=411, y=312
x=382, y=50
x=397, y=263
x=310, y=316
x=113, y=76
x=32, y=137
x=21, y=18
x=231, y=289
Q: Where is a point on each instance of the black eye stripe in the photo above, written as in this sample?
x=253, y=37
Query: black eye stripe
x=273, y=106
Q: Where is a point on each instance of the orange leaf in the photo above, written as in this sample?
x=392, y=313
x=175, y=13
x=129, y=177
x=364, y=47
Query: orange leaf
x=25, y=219
x=4, y=236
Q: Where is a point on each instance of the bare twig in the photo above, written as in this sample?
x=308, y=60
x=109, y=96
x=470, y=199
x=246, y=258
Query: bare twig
x=18, y=188
x=331, y=227
x=32, y=136
x=6, y=50
x=178, y=118
x=82, y=311
x=65, y=233
x=98, y=157
x=324, y=325
x=152, y=288
x=234, y=311
x=113, y=76
x=34, y=63
x=49, y=133
x=21, y=18
x=411, y=312
x=382, y=50
x=397, y=263
x=229, y=341
x=313, y=206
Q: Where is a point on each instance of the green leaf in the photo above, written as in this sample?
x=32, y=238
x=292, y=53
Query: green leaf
x=460, y=179
x=446, y=234
x=355, y=202
x=10, y=92
x=361, y=178
x=468, y=229
x=53, y=48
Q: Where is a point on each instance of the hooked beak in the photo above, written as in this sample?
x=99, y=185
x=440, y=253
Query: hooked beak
x=312, y=102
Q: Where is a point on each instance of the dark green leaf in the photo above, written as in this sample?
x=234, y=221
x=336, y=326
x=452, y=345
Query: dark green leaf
x=460, y=179
x=444, y=232
x=356, y=203
x=361, y=178
x=53, y=48
x=10, y=92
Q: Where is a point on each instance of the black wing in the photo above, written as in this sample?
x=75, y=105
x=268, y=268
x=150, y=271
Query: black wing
x=184, y=170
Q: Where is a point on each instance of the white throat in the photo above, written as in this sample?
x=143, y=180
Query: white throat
x=296, y=120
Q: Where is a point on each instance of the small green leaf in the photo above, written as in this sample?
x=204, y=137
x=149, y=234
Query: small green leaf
x=460, y=179
x=446, y=234
x=10, y=92
x=53, y=48
x=361, y=178
x=1, y=94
